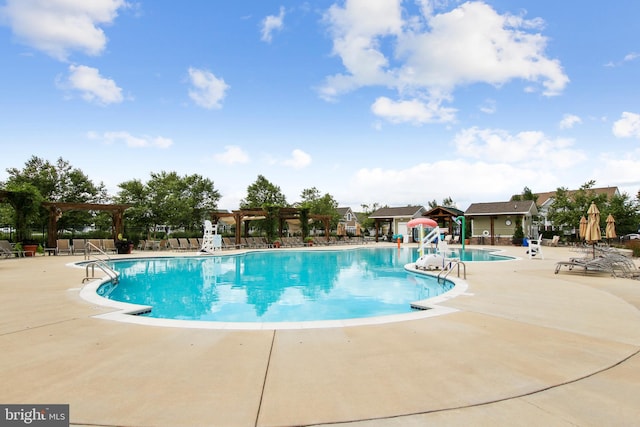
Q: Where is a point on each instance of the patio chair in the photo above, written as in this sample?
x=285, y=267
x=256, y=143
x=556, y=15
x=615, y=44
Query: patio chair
x=78, y=246
x=228, y=244
x=109, y=246
x=63, y=246
x=554, y=241
x=175, y=245
x=607, y=261
x=7, y=251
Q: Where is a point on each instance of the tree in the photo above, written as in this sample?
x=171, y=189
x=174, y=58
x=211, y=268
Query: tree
x=320, y=205
x=263, y=193
x=169, y=199
x=136, y=193
x=625, y=211
x=26, y=201
x=59, y=182
x=567, y=208
x=446, y=202
x=367, y=210
x=527, y=194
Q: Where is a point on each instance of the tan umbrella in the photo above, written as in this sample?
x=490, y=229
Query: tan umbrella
x=593, y=226
x=583, y=227
x=610, y=231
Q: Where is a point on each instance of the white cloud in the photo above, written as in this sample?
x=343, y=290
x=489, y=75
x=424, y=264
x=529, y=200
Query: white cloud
x=299, y=159
x=232, y=154
x=423, y=182
x=92, y=86
x=132, y=141
x=569, y=121
x=272, y=23
x=412, y=111
x=628, y=126
x=58, y=27
x=621, y=171
x=207, y=90
x=488, y=106
x=429, y=56
x=531, y=147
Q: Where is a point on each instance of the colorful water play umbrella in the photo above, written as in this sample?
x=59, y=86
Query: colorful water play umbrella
x=593, y=226
x=583, y=227
x=426, y=222
x=610, y=231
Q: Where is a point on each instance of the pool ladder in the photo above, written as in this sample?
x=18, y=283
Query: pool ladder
x=114, y=276
x=455, y=263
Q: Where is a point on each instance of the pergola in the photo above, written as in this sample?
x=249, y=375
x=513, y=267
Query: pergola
x=241, y=216
x=444, y=216
x=57, y=208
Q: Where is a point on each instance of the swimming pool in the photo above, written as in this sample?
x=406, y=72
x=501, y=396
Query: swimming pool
x=275, y=286
x=473, y=255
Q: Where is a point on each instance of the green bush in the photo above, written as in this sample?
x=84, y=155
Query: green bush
x=634, y=245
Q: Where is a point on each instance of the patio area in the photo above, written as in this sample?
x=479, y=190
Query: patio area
x=525, y=347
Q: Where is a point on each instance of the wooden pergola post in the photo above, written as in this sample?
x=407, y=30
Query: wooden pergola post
x=57, y=208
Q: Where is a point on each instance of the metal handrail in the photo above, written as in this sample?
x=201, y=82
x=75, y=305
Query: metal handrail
x=114, y=276
x=89, y=248
x=450, y=269
x=101, y=263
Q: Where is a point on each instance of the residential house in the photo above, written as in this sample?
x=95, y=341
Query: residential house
x=495, y=223
x=348, y=223
x=545, y=200
x=393, y=221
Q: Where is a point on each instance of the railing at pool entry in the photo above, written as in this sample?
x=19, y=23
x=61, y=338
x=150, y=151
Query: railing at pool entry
x=113, y=275
x=89, y=248
x=452, y=264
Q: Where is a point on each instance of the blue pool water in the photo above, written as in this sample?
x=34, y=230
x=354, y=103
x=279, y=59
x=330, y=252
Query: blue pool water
x=279, y=286
x=275, y=286
x=473, y=255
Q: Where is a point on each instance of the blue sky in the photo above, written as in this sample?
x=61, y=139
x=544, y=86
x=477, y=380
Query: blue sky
x=387, y=101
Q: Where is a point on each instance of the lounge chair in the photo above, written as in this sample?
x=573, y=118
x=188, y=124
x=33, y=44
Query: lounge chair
x=109, y=246
x=63, y=246
x=194, y=243
x=607, y=261
x=95, y=245
x=259, y=242
x=228, y=244
x=7, y=251
x=78, y=246
x=152, y=245
x=554, y=241
x=174, y=244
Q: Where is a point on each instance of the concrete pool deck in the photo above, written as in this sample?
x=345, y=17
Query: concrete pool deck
x=525, y=347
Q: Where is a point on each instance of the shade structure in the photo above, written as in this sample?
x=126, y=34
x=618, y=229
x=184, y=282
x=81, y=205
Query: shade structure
x=426, y=222
x=610, y=231
x=592, y=234
x=583, y=227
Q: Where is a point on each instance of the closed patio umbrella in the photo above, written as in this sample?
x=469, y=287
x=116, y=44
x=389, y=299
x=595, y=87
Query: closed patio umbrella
x=583, y=227
x=610, y=231
x=593, y=226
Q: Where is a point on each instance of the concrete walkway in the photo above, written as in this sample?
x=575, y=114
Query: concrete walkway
x=526, y=347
